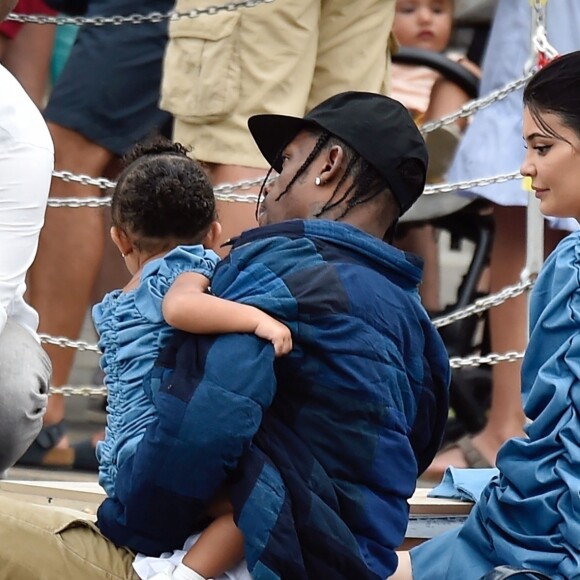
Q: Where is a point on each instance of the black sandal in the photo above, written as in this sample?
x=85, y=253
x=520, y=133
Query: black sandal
x=44, y=451
x=85, y=458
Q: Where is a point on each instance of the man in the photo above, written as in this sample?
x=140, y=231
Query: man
x=318, y=451
x=283, y=56
x=26, y=161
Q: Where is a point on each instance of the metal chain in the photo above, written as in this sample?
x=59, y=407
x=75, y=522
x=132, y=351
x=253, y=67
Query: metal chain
x=485, y=303
x=64, y=342
x=224, y=192
x=541, y=51
x=492, y=358
x=477, y=105
x=455, y=363
x=471, y=183
x=154, y=17
x=82, y=390
x=478, y=306
x=100, y=182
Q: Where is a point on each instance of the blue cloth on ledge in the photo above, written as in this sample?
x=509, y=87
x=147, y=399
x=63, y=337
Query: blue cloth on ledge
x=465, y=484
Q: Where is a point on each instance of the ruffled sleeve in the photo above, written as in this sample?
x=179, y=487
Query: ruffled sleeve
x=159, y=275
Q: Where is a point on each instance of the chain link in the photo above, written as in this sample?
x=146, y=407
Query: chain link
x=455, y=363
x=154, y=17
x=477, y=105
x=64, y=342
x=485, y=303
x=471, y=183
x=100, y=182
x=82, y=390
x=492, y=358
x=225, y=192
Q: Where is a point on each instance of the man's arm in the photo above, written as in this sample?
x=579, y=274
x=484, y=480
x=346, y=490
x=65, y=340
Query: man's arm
x=210, y=394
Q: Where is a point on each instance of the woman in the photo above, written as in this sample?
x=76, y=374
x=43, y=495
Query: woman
x=529, y=516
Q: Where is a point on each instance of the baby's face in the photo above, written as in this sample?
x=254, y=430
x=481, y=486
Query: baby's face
x=424, y=24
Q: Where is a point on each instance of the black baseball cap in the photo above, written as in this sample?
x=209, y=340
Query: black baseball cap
x=378, y=128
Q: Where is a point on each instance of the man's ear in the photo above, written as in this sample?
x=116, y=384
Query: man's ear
x=121, y=240
x=332, y=165
x=213, y=235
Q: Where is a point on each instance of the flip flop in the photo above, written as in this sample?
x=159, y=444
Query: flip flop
x=472, y=455
x=473, y=458
x=44, y=451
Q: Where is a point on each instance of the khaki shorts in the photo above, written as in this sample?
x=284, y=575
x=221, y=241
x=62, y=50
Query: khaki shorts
x=50, y=543
x=284, y=57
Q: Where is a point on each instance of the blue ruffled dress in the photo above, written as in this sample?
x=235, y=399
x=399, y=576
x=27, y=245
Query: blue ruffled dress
x=132, y=332
x=529, y=515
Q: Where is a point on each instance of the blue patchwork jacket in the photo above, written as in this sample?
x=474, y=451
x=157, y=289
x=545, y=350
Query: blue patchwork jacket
x=320, y=449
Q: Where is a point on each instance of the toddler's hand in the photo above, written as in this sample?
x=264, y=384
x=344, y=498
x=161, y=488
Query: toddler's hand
x=277, y=333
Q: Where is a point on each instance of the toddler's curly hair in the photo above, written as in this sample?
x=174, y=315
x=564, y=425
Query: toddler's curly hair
x=163, y=197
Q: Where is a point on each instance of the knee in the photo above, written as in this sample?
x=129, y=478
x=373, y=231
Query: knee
x=24, y=382
x=74, y=151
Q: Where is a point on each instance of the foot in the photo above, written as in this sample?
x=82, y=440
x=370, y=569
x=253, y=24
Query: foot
x=50, y=449
x=85, y=458
x=463, y=454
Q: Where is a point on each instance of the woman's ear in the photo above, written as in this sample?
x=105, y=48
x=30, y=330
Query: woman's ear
x=332, y=165
x=213, y=234
x=121, y=240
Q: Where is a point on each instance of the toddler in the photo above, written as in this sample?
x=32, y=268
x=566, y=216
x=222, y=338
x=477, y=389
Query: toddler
x=425, y=24
x=165, y=226
x=428, y=24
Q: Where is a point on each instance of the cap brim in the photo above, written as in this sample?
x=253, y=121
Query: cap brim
x=273, y=132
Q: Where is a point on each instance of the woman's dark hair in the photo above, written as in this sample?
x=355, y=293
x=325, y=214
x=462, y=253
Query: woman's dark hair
x=556, y=89
x=163, y=197
x=366, y=182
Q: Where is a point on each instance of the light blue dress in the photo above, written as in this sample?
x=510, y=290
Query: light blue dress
x=529, y=515
x=132, y=332
x=493, y=144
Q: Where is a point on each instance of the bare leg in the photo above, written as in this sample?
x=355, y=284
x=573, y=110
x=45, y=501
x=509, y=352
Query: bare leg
x=422, y=240
x=445, y=98
x=68, y=258
x=219, y=548
x=27, y=57
x=404, y=570
x=508, y=326
x=239, y=216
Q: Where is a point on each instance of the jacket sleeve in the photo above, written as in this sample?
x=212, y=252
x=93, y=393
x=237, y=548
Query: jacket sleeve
x=210, y=393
